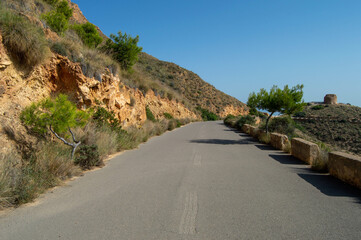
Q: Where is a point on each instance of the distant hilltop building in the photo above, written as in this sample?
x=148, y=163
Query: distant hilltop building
x=330, y=99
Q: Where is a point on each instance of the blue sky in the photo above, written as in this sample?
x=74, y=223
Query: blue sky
x=242, y=46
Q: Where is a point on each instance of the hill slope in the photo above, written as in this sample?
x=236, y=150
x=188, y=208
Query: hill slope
x=189, y=85
x=338, y=125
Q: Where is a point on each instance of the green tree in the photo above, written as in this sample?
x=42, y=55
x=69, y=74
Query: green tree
x=58, y=116
x=124, y=49
x=88, y=34
x=287, y=101
x=58, y=19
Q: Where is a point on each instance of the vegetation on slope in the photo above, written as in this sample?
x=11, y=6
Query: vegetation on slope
x=186, y=83
x=338, y=125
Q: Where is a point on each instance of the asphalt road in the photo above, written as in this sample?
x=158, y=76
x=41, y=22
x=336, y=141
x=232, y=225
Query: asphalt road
x=202, y=181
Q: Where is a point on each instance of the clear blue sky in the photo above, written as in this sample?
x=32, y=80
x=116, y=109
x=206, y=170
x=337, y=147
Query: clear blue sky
x=240, y=46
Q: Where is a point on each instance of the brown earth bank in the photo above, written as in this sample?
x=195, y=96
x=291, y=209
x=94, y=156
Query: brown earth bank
x=338, y=125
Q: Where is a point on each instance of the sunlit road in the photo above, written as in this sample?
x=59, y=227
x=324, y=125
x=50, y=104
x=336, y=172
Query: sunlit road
x=202, y=181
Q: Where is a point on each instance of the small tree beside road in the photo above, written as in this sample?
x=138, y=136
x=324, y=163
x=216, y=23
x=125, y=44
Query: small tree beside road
x=58, y=116
x=286, y=101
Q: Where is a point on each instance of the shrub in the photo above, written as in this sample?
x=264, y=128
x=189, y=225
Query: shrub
x=149, y=114
x=88, y=157
x=300, y=114
x=9, y=176
x=207, y=115
x=172, y=125
x=25, y=42
x=58, y=116
x=318, y=107
x=104, y=137
x=88, y=34
x=51, y=2
x=283, y=125
x=46, y=168
x=124, y=49
x=264, y=138
x=320, y=164
x=59, y=18
x=247, y=119
x=168, y=115
x=104, y=117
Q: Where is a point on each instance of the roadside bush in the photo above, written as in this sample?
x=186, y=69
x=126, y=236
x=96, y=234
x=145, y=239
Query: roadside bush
x=168, y=115
x=283, y=125
x=88, y=34
x=320, y=164
x=264, y=138
x=58, y=19
x=172, y=125
x=247, y=119
x=45, y=169
x=25, y=42
x=231, y=120
x=9, y=176
x=88, y=157
x=149, y=114
x=207, y=115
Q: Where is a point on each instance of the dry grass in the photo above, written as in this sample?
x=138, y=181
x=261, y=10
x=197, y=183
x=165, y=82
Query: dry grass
x=264, y=138
x=22, y=181
x=320, y=164
x=104, y=138
x=24, y=41
x=93, y=62
x=287, y=148
x=9, y=176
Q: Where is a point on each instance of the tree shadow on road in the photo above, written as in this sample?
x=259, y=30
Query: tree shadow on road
x=325, y=183
x=221, y=141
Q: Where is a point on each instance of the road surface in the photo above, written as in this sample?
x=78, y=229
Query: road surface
x=202, y=181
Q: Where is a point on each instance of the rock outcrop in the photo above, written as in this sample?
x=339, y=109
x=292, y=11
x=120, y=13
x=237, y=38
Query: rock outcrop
x=60, y=75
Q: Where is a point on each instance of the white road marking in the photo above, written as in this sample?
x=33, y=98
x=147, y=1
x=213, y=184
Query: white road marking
x=197, y=161
x=188, y=221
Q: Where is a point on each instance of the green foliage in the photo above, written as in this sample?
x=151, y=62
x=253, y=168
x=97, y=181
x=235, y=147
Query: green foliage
x=88, y=34
x=286, y=101
x=149, y=114
x=283, y=125
x=318, y=107
x=25, y=42
x=60, y=114
x=247, y=119
x=58, y=19
x=103, y=117
x=168, y=115
x=207, y=115
x=88, y=157
x=52, y=2
x=299, y=114
x=124, y=49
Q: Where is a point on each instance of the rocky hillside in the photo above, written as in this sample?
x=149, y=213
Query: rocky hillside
x=90, y=77
x=338, y=125
x=190, y=86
